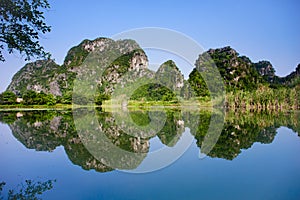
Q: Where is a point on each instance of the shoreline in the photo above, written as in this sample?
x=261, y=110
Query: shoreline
x=142, y=106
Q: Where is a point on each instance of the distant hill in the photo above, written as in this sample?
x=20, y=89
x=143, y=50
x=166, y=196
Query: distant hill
x=239, y=72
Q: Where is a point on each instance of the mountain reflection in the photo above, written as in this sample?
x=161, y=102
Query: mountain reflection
x=46, y=130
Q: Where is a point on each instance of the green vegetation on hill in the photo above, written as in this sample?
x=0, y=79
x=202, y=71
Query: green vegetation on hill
x=238, y=72
x=112, y=75
x=266, y=70
x=248, y=85
x=76, y=55
x=48, y=77
x=153, y=92
x=8, y=98
x=168, y=83
x=198, y=84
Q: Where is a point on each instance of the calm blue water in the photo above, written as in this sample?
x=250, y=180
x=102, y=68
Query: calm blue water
x=262, y=171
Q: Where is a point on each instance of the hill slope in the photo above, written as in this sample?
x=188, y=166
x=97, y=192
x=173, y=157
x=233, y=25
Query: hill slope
x=48, y=77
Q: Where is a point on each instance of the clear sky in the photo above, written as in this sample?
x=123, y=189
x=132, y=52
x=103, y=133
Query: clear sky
x=261, y=30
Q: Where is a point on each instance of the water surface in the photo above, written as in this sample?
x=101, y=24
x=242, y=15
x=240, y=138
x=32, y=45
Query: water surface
x=255, y=157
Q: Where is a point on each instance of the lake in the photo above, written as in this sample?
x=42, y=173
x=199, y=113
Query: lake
x=139, y=154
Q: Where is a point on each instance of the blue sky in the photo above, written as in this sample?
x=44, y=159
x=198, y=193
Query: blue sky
x=261, y=30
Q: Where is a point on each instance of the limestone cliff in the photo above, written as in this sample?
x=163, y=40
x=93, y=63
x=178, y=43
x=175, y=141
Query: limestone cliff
x=48, y=77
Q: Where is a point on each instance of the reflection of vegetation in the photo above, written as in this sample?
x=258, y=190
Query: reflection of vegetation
x=140, y=118
x=79, y=155
x=8, y=117
x=28, y=191
x=241, y=130
x=37, y=129
x=172, y=130
x=46, y=130
x=117, y=135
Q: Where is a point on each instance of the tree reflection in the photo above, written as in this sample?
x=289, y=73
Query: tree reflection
x=242, y=130
x=30, y=190
x=46, y=130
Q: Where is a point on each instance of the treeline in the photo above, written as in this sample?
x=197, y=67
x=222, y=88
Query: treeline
x=29, y=98
x=153, y=92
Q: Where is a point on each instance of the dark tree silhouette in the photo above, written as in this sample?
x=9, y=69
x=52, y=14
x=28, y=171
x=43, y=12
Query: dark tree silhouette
x=30, y=190
x=21, y=24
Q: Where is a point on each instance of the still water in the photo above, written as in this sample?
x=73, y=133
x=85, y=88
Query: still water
x=255, y=156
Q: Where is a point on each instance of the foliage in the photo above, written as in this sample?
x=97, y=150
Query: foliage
x=171, y=131
x=28, y=191
x=140, y=118
x=34, y=98
x=242, y=129
x=66, y=98
x=153, y=92
x=8, y=117
x=198, y=84
x=22, y=23
x=265, y=68
x=264, y=98
x=248, y=85
x=76, y=56
x=8, y=98
x=46, y=130
x=236, y=71
x=293, y=79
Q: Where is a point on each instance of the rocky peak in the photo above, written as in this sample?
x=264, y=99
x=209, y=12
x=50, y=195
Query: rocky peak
x=223, y=57
x=139, y=61
x=99, y=44
x=127, y=45
x=123, y=70
x=265, y=68
x=76, y=55
x=225, y=50
x=237, y=71
x=33, y=76
x=169, y=75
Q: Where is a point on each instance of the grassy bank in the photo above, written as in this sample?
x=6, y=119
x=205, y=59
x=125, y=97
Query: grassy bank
x=35, y=107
